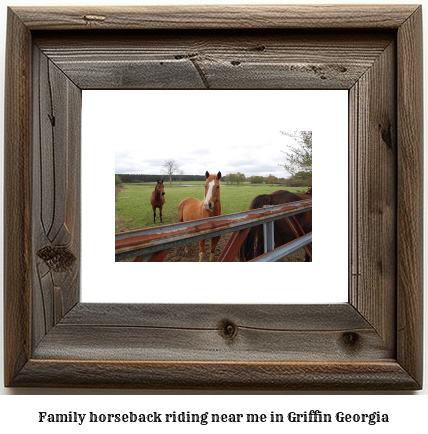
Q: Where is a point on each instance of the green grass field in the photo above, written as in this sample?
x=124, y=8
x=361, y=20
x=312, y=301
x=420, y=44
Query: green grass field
x=133, y=209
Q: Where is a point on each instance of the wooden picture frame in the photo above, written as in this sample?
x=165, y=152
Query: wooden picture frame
x=372, y=342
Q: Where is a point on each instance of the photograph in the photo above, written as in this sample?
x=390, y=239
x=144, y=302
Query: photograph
x=213, y=155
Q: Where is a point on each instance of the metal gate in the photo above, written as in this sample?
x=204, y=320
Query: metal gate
x=153, y=244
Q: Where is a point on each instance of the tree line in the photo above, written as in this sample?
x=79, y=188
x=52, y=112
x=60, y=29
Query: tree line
x=300, y=179
x=129, y=178
x=240, y=178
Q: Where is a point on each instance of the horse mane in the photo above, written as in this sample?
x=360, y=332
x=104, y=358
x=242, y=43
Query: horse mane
x=260, y=201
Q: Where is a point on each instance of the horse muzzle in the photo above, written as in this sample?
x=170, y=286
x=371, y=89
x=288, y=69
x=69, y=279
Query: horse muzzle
x=208, y=206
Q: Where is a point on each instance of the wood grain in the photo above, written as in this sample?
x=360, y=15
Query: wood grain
x=373, y=162
x=217, y=17
x=372, y=342
x=372, y=375
x=410, y=197
x=55, y=194
x=216, y=59
x=197, y=332
x=17, y=199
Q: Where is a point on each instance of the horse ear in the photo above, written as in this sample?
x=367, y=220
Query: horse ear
x=207, y=174
x=157, y=181
x=219, y=176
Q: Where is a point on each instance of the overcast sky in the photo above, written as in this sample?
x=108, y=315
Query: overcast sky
x=229, y=131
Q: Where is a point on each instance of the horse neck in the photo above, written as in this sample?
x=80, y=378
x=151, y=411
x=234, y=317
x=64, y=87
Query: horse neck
x=217, y=208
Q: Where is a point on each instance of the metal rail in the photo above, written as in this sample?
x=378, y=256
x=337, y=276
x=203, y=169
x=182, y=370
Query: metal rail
x=148, y=241
x=285, y=250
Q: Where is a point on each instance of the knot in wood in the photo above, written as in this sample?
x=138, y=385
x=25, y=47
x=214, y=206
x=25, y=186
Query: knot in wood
x=228, y=330
x=386, y=134
x=58, y=259
x=351, y=340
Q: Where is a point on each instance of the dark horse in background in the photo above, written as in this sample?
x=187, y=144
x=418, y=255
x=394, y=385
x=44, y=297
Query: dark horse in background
x=253, y=243
x=158, y=199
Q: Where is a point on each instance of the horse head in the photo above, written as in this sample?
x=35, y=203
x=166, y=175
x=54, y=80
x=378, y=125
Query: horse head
x=159, y=188
x=212, y=190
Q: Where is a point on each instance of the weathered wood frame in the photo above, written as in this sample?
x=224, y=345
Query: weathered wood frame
x=372, y=342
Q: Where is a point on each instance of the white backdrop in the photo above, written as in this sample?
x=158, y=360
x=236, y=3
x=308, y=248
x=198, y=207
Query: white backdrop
x=325, y=113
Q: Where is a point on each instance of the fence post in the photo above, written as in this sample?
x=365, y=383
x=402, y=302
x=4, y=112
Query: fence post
x=268, y=234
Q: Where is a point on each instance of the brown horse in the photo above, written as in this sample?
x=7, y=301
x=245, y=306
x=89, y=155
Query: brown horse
x=253, y=243
x=195, y=209
x=158, y=199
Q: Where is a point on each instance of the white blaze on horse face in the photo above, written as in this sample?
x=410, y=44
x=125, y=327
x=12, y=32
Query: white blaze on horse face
x=209, y=195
